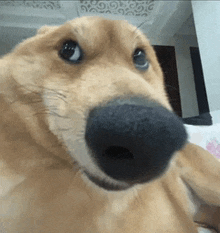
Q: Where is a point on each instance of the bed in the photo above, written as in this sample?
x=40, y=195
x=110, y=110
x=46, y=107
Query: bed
x=204, y=132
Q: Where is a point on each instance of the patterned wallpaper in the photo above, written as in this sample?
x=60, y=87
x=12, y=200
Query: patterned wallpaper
x=119, y=7
x=136, y=8
x=52, y=5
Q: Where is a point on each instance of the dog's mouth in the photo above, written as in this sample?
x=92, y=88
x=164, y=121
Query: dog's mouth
x=106, y=184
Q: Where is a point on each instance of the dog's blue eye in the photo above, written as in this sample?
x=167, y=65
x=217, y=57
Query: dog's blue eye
x=140, y=60
x=71, y=52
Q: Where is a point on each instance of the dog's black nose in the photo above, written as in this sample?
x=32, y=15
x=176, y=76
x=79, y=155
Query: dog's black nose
x=133, y=142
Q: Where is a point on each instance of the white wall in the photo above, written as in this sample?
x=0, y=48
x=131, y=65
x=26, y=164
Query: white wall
x=207, y=23
x=215, y=116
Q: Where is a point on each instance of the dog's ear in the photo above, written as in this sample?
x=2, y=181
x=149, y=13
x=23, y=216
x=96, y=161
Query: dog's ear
x=46, y=29
x=201, y=172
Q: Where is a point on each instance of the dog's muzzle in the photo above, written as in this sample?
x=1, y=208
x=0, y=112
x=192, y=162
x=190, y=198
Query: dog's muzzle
x=133, y=140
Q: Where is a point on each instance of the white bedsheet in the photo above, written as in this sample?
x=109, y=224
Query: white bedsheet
x=207, y=137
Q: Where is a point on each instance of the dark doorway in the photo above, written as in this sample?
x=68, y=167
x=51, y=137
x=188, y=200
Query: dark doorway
x=199, y=81
x=167, y=59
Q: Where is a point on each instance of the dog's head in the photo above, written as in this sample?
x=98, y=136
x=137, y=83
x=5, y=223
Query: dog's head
x=104, y=97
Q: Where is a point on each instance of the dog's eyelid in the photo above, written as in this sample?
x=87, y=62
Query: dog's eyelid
x=64, y=40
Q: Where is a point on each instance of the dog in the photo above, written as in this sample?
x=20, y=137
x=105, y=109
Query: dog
x=89, y=140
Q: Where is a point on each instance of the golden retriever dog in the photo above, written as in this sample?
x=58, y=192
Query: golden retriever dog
x=89, y=142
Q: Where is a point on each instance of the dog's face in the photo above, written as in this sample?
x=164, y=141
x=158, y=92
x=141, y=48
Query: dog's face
x=104, y=98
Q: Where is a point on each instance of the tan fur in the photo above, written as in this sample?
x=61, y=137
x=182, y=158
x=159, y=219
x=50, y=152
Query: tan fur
x=43, y=105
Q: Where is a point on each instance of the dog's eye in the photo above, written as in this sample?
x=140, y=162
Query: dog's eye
x=140, y=60
x=71, y=52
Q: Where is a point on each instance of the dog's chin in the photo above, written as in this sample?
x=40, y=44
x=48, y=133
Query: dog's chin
x=107, y=185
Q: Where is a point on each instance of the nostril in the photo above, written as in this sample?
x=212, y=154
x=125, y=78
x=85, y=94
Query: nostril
x=117, y=152
x=132, y=142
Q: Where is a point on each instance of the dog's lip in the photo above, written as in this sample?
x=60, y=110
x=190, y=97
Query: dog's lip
x=106, y=185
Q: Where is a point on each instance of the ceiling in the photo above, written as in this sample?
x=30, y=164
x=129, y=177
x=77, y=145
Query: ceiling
x=20, y=19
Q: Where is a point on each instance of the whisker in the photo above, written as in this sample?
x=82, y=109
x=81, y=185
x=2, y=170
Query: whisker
x=42, y=88
x=56, y=96
x=52, y=113
x=28, y=102
x=78, y=139
x=55, y=91
x=38, y=97
x=64, y=129
x=56, y=114
x=44, y=111
x=172, y=100
x=141, y=24
x=169, y=86
x=60, y=95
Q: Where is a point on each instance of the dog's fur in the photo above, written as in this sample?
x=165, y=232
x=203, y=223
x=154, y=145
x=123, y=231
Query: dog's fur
x=44, y=102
